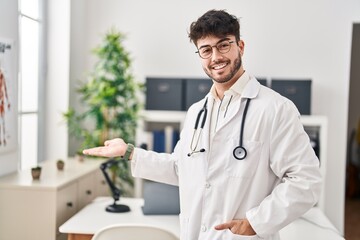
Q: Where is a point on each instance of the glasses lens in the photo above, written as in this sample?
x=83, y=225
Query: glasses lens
x=223, y=47
x=205, y=52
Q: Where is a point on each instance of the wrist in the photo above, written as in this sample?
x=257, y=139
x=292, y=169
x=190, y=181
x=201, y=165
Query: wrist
x=129, y=152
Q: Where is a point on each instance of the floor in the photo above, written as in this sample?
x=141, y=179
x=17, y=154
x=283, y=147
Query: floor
x=352, y=218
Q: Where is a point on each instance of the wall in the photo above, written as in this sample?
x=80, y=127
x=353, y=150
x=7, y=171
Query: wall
x=57, y=84
x=78, y=49
x=282, y=39
x=9, y=29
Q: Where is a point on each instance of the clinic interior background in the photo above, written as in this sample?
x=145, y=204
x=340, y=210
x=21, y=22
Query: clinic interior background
x=283, y=39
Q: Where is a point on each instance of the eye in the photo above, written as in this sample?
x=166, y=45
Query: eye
x=223, y=46
x=205, y=50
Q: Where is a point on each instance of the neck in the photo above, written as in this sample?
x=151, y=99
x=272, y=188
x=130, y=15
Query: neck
x=221, y=88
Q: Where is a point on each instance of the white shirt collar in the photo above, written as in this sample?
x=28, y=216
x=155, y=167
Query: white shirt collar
x=236, y=88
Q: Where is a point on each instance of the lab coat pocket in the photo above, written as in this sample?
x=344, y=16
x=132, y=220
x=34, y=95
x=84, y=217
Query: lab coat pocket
x=232, y=236
x=246, y=167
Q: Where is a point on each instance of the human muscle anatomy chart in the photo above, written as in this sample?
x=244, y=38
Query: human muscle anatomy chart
x=4, y=103
x=8, y=96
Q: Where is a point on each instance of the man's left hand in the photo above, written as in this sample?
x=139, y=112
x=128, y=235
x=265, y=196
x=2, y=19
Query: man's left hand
x=238, y=226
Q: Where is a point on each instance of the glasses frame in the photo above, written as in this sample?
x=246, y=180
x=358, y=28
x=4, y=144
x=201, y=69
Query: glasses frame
x=216, y=46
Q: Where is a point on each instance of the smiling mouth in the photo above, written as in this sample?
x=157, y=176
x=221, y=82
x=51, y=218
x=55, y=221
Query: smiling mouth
x=219, y=66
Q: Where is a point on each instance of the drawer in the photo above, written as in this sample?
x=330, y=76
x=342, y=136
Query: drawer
x=86, y=190
x=66, y=204
x=101, y=186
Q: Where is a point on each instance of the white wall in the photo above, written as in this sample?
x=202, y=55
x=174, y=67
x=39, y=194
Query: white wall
x=57, y=79
x=9, y=29
x=282, y=39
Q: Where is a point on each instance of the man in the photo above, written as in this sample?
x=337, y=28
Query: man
x=248, y=169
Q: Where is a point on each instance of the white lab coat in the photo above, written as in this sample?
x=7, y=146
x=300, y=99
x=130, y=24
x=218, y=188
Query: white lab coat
x=278, y=181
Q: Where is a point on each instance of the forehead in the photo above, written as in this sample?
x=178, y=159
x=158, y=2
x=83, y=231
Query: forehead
x=212, y=40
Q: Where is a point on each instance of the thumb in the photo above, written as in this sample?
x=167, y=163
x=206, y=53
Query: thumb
x=223, y=226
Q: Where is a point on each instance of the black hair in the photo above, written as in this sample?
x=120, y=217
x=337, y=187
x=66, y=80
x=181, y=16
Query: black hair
x=216, y=23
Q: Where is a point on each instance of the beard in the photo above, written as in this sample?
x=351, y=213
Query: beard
x=226, y=78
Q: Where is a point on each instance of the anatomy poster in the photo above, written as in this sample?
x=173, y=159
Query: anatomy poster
x=8, y=96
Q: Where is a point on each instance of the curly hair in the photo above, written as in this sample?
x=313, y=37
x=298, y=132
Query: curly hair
x=216, y=23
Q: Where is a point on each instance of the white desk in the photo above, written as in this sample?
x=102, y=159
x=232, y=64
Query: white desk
x=94, y=217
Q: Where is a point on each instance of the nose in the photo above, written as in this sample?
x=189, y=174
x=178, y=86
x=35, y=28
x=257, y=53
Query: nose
x=216, y=54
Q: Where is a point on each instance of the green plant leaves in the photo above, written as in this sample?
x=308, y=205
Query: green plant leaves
x=110, y=99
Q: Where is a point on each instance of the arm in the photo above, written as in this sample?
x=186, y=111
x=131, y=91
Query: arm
x=160, y=167
x=294, y=162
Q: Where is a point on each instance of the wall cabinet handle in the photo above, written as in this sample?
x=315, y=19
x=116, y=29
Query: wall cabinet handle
x=69, y=204
x=88, y=192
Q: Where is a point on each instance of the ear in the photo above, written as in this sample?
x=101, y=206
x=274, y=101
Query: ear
x=241, y=46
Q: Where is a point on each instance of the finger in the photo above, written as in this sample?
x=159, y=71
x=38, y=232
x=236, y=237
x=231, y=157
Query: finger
x=97, y=151
x=224, y=226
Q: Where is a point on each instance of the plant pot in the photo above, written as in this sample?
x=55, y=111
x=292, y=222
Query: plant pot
x=60, y=165
x=35, y=173
x=80, y=157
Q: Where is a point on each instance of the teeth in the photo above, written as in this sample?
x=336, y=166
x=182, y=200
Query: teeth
x=219, y=66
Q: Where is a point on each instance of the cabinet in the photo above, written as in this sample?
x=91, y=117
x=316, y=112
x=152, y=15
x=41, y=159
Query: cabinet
x=34, y=209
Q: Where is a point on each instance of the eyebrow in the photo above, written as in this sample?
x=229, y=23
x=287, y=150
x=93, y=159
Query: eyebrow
x=221, y=40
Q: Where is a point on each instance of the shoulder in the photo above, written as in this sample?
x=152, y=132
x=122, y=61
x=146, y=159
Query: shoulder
x=272, y=100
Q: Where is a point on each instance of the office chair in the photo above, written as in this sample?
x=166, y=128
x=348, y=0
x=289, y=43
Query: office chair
x=133, y=232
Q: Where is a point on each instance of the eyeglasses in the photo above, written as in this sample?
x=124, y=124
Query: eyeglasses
x=207, y=51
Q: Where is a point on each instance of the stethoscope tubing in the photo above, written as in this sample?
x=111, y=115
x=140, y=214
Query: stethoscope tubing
x=239, y=152
x=243, y=122
x=205, y=111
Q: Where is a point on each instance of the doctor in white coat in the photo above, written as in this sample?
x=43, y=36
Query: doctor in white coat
x=244, y=164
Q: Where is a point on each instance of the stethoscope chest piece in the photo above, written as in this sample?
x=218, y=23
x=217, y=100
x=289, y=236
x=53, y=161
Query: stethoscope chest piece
x=239, y=153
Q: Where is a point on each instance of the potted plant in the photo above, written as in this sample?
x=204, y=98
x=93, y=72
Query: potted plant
x=60, y=164
x=79, y=156
x=110, y=99
x=36, y=172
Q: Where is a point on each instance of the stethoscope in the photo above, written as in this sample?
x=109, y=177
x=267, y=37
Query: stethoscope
x=239, y=152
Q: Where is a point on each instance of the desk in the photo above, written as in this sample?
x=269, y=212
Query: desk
x=313, y=225
x=94, y=217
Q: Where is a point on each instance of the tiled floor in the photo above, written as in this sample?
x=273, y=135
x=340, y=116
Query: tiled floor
x=352, y=219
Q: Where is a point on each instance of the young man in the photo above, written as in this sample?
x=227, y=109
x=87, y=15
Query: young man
x=248, y=169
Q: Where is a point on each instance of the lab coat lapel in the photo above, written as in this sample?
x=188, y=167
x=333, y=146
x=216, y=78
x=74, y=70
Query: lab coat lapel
x=251, y=90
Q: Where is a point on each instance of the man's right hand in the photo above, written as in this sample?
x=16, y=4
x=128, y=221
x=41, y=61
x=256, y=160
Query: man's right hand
x=112, y=148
